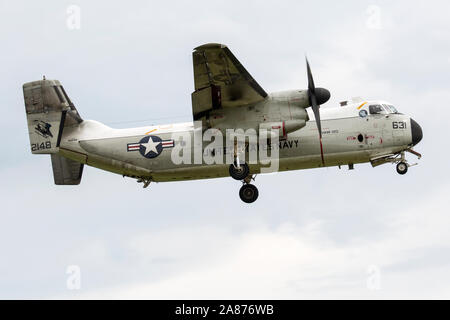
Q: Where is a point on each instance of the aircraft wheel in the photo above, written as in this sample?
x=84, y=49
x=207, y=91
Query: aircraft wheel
x=248, y=193
x=239, y=173
x=402, y=168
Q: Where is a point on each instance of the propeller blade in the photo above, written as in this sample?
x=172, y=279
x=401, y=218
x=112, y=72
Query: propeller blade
x=311, y=86
x=313, y=99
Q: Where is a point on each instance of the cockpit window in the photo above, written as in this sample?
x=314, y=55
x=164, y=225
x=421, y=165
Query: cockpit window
x=390, y=108
x=376, y=109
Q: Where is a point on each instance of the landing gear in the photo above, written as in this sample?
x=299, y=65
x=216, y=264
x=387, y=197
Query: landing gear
x=248, y=193
x=402, y=164
x=398, y=158
x=402, y=167
x=239, y=171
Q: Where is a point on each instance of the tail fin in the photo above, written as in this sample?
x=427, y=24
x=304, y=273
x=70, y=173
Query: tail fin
x=66, y=171
x=48, y=110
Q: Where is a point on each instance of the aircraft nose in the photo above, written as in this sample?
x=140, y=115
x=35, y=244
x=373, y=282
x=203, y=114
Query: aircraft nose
x=416, y=132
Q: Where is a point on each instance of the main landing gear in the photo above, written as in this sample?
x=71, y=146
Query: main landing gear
x=240, y=171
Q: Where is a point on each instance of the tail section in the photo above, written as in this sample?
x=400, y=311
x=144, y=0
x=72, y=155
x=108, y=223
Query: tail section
x=66, y=171
x=48, y=110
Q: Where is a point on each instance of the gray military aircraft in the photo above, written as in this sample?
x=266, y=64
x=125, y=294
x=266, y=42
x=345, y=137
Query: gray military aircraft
x=226, y=97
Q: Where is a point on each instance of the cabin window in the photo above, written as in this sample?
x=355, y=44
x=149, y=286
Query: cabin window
x=376, y=109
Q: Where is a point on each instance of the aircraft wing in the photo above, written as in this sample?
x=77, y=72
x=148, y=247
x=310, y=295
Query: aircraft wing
x=221, y=81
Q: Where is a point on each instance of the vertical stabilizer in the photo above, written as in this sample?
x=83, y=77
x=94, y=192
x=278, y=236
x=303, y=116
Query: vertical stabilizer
x=48, y=110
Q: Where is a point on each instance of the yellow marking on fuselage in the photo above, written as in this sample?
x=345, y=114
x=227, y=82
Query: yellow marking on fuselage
x=361, y=105
x=153, y=130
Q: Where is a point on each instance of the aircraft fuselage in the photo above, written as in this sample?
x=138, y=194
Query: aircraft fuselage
x=348, y=138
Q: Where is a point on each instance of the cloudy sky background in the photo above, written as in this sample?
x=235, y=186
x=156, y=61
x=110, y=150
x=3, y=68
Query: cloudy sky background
x=324, y=233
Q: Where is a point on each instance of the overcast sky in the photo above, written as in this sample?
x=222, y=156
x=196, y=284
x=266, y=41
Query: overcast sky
x=323, y=233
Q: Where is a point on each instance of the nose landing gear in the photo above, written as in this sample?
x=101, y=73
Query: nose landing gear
x=397, y=158
x=402, y=167
x=402, y=163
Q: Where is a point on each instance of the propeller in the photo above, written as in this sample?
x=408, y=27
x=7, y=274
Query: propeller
x=316, y=96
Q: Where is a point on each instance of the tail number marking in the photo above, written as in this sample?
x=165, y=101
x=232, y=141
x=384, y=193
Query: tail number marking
x=41, y=146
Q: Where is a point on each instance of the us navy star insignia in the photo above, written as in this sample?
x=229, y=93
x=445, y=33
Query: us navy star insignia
x=150, y=146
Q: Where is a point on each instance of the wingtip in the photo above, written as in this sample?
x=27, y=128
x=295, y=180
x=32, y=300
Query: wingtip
x=210, y=46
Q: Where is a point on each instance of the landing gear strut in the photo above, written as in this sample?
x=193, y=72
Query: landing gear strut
x=402, y=163
x=240, y=171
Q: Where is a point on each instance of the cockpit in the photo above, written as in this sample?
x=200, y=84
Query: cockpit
x=382, y=108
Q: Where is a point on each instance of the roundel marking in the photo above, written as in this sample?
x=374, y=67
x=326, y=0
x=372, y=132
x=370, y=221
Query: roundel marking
x=150, y=146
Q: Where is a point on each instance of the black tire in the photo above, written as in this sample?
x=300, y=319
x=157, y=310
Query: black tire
x=402, y=168
x=248, y=193
x=239, y=173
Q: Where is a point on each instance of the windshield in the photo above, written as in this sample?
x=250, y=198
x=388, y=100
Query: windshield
x=390, y=108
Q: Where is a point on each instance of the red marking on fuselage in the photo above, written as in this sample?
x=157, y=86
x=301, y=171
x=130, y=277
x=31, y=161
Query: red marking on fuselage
x=321, y=151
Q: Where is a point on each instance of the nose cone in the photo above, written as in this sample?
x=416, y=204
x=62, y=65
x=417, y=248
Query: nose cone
x=416, y=132
x=322, y=95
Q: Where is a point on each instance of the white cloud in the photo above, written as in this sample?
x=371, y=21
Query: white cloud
x=292, y=262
